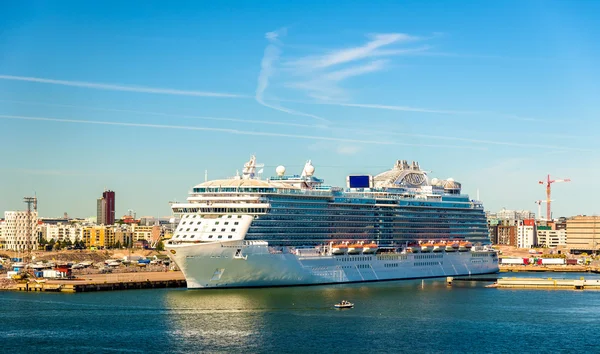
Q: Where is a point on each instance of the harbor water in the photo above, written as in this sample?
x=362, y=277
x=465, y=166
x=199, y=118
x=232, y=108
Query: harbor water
x=402, y=316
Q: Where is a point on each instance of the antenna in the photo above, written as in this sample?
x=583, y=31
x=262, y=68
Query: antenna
x=478, y=194
x=205, y=175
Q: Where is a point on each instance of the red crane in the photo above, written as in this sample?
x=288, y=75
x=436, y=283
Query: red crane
x=548, y=183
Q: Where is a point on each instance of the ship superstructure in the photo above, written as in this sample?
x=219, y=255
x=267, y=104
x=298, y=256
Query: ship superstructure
x=293, y=230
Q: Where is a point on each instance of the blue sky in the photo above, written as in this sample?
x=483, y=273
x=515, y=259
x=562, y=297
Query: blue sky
x=142, y=97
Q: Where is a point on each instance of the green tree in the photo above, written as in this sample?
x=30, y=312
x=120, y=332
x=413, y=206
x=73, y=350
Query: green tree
x=118, y=245
x=160, y=246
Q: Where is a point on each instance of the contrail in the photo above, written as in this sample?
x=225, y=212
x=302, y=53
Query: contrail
x=230, y=131
x=271, y=55
x=161, y=114
x=309, y=126
x=113, y=87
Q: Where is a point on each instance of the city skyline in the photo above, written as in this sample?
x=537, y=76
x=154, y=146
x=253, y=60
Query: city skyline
x=145, y=99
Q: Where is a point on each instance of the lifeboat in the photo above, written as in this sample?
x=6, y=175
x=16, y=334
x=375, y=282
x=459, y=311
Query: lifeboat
x=438, y=247
x=413, y=248
x=464, y=246
x=355, y=248
x=426, y=247
x=452, y=246
x=339, y=249
x=370, y=248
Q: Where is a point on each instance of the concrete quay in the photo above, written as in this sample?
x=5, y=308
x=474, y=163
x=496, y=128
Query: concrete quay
x=106, y=282
x=548, y=268
x=548, y=283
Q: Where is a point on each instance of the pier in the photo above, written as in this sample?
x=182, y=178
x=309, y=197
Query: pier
x=548, y=283
x=548, y=268
x=106, y=282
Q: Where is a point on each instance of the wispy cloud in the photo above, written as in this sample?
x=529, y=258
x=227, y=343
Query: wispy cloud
x=346, y=55
x=320, y=76
x=232, y=131
x=267, y=69
x=113, y=87
x=355, y=70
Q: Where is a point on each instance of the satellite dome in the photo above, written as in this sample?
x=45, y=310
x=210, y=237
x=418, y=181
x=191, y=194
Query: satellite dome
x=280, y=170
x=309, y=170
x=435, y=181
x=450, y=179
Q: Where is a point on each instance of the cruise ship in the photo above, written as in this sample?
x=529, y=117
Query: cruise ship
x=286, y=230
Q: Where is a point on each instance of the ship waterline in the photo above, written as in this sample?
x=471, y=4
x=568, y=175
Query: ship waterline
x=293, y=230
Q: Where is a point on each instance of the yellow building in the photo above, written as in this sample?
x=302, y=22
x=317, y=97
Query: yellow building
x=583, y=234
x=124, y=237
x=98, y=236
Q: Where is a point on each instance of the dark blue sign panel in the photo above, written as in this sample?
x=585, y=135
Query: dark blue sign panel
x=359, y=181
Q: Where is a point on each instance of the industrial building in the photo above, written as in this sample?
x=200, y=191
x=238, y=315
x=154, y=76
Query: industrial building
x=583, y=234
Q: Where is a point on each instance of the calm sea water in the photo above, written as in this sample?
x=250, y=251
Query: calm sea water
x=403, y=316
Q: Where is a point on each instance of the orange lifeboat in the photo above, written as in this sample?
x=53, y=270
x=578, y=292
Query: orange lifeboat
x=339, y=248
x=452, y=246
x=370, y=248
x=426, y=247
x=355, y=248
x=413, y=248
x=464, y=246
x=438, y=247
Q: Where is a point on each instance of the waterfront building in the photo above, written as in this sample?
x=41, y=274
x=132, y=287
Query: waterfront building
x=583, y=234
x=124, y=236
x=105, y=208
x=1, y=234
x=546, y=237
x=99, y=236
x=20, y=230
x=503, y=227
x=526, y=233
x=151, y=234
x=61, y=232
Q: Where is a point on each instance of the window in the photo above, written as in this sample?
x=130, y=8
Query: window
x=192, y=236
x=198, y=223
x=232, y=230
x=226, y=223
x=184, y=236
x=214, y=229
x=239, y=216
x=195, y=215
x=236, y=223
x=230, y=236
x=181, y=229
x=196, y=229
x=187, y=229
x=217, y=223
x=210, y=236
x=229, y=216
x=220, y=236
x=222, y=230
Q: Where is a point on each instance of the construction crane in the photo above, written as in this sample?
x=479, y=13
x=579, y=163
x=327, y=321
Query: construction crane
x=539, y=204
x=548, y=182
x=31, y=206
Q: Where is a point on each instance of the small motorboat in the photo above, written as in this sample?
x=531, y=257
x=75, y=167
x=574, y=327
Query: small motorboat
x=344, y=305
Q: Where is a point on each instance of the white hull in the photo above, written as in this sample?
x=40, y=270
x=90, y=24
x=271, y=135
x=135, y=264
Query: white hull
x=221, y=264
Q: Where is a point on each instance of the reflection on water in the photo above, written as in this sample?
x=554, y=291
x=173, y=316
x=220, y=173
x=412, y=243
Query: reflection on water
x=403, y=316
